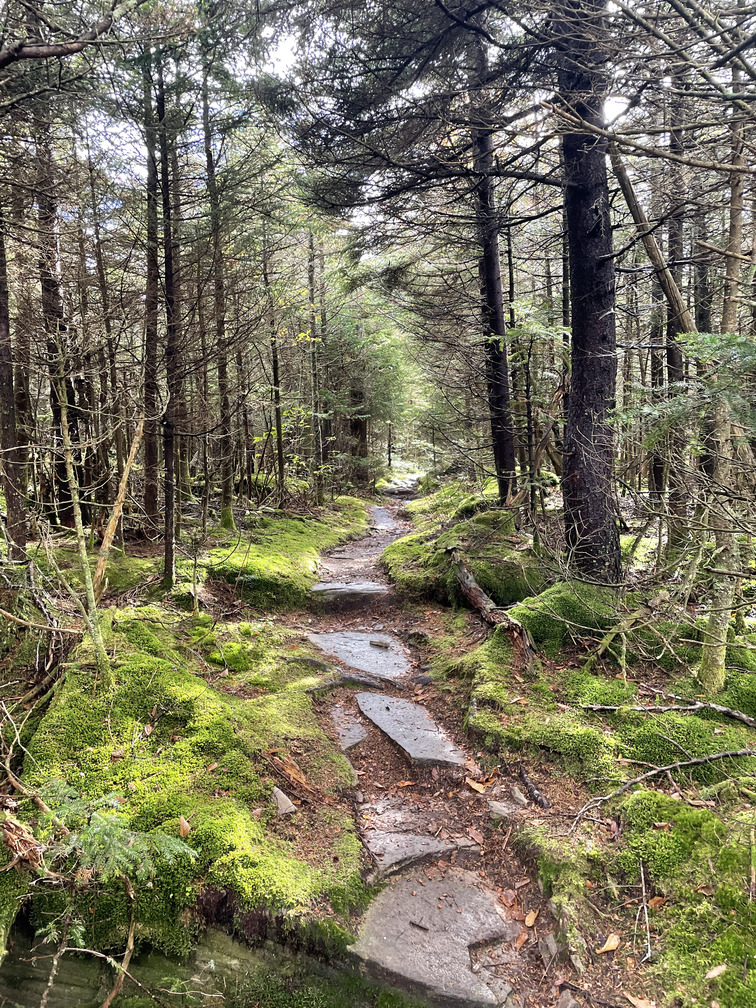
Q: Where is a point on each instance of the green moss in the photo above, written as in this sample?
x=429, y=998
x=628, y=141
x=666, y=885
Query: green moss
x=14, y=887
x=672, y=738
x=587, y=753
x=122, y=572
x=204, y=758
x=276, y=566
x=421, y=567
x=702, y=863
x=566, y=612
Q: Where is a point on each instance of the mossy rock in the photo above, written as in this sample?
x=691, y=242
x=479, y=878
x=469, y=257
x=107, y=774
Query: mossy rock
x=584, y=751
x=421, y=567
x=567, y=612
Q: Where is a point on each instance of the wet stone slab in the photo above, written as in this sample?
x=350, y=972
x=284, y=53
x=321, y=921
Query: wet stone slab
x=385, y=659
x=417, y=934
x=412, y=728
x=394, y=851
x=349, y=728
x=333, y=595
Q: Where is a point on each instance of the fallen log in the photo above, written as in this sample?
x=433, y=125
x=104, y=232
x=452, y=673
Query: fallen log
x=491, y=613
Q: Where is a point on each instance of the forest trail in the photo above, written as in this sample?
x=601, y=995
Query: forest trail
x=461, y=921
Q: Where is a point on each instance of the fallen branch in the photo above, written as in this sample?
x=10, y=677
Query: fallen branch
x=115, y=514
x=488, y=609
x=699, y=761
x=37, y=626
x=694, y=705
x=532, y=790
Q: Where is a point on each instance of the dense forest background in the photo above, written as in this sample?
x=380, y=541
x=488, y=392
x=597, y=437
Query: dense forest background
x=250, y=253
x=257, y=255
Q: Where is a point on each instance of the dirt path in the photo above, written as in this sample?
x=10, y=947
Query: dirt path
x=460, y=920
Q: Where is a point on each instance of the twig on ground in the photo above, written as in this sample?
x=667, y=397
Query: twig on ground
x=699, y=761
x=649, y=951
x=685, y=707
x=532, y=790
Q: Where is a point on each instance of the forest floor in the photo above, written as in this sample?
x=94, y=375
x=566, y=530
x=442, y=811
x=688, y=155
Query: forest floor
x=524, y=966
x=469, y=859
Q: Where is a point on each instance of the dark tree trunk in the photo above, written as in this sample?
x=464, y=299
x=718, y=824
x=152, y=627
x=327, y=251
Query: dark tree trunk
x=492, y=295
x=219, y=311
x=172, y=362
x=590, y=523
x=151, y=301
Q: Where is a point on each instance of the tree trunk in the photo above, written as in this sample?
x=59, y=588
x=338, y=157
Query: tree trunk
x=172, y=362
x=590, y=524
x=151, y=301
x=12, y=462
x=492, y=295
x=225, y=446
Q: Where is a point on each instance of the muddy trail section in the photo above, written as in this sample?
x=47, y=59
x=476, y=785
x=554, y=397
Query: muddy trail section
x=460, y=920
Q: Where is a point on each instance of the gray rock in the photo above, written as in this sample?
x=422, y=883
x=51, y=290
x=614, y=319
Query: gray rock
x=519, y=797
x=283, y=805
x=333, y=595
x=549, y=950
x=577, y=963
x=503, y=811
x=422, y=679
x=355, y=649
x=412, y=728
x=394, y=851
x=348, y=728
x=566, y=1000
x=417, y=934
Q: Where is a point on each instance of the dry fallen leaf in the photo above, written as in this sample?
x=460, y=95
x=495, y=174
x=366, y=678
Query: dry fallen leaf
x=637, y=1002
x=612, y=942
x=184, y=827
x=707, y=890
x=508, y=897
x=716, y=971
x=531, y=918
x=522, y=937
x=475, y=835
x=148, y=729
x=211, y=767
x=405, y=783
x=657, y=901
x=474, y=785
x=663, y=825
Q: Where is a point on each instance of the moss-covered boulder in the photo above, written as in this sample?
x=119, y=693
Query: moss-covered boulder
x=503, y=564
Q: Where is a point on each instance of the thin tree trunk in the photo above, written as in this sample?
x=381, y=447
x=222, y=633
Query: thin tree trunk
x=172, y=362
x=12, y=463
x=225, y=446
x=151, y=302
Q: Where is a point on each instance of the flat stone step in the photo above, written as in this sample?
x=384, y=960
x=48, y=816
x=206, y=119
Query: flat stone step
x=333, y=595
x=394, y=851
x=354, y=649
x=412, y=728
x=418, y=932
x=350, y=730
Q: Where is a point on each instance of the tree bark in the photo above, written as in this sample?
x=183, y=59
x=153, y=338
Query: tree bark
x=151, y=302
x=12, y=462
x=590, y=523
